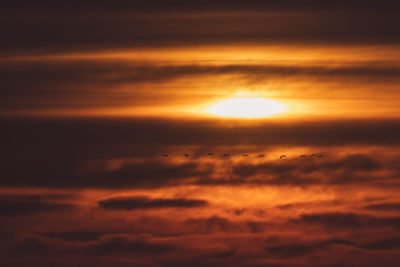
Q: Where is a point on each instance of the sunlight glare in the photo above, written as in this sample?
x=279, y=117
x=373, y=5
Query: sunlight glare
x=247, y=107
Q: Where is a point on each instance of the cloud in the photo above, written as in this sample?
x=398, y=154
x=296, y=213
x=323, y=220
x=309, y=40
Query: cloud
x=70, y=74
x=296, y=250
x=307, y=205
x=386, y=244
x=90, y=133
x=20, y=205
x=310, y=247
x=350, y=221
x=122, y=245
x=75, y=236
x=78, y=81
x=352, y=162
x=145, y=174
x=33, y=245
x=132, y=203
x=383, y=207
x=348, y=169
x=215, y=224
x=212, y=224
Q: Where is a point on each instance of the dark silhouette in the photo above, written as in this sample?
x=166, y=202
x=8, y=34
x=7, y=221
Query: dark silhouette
x=165, y=155
x=283, y=156
x=260, y=156
x=245, y=155
x=303, y=156
x=226, y=155
x=211, y=154
x=186, y=155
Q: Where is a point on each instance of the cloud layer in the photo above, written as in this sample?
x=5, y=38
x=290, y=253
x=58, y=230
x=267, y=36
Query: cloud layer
x=133, y=203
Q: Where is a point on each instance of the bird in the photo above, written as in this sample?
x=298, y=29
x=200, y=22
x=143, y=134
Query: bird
x=260, y=156
x=186, y=155
x=245, y=155
x=226, y=155
x=165, y=155
x=211, y=154
x=283, y=156
x=303, y=156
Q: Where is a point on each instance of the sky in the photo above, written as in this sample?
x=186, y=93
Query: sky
x=287, y=111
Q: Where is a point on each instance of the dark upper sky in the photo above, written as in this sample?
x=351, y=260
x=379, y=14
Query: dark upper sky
x=44, y=26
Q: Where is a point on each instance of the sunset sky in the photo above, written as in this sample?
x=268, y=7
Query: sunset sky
x=288, y=113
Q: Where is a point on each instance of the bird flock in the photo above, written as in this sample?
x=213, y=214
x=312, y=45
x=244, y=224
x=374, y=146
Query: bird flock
x=226, y=155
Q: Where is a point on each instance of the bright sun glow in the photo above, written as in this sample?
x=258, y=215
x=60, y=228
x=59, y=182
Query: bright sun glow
x=247, y=107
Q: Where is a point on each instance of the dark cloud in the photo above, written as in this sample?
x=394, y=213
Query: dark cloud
x=343, y=170
x=386, y=244
x=146, y=174
x=307, y=248
x=383, y=207
x=70, y=74
x=212, y=224
x=215, y=224
x=39, y=197
x=79, y=133
x=305, y=205
x=132, y=203
x=351, y=221
x=220, y=254
x=65, y=174
x=20, y=205
x=33, y=245
x=122, y=245
x=296, y=250
x=79, y=236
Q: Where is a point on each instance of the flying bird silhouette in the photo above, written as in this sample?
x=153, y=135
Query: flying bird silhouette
x=245, y=155
x=260, y=156
x=211, y=154
x=283, y=156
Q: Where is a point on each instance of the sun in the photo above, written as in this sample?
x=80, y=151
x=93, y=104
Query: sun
x=246, y=107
